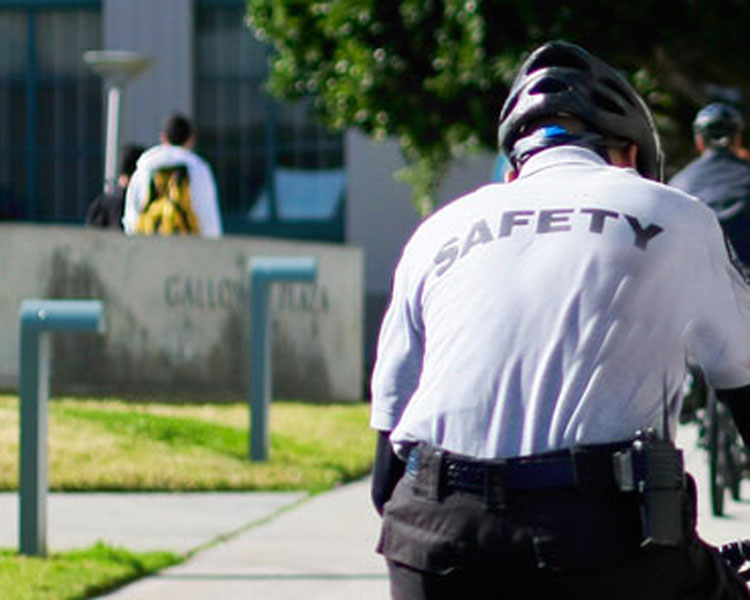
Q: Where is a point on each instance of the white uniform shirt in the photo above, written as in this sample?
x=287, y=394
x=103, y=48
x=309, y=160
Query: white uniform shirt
x=202, y=187
x=556, y=310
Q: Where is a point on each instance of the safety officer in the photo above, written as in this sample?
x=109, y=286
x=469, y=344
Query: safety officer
x=720, y=176
x=528, y=369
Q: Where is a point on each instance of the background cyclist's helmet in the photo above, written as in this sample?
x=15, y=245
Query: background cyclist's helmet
x=718, y=124
x=563, y=79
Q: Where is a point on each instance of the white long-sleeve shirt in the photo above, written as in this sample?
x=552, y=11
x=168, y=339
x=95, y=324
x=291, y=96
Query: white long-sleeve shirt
x=202, y=187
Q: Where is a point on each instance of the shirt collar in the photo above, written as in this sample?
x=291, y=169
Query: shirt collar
x=553, y=157
x=713, y=151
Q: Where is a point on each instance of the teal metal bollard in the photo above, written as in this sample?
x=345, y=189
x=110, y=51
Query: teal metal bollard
x=38, y=318
x=263, y=272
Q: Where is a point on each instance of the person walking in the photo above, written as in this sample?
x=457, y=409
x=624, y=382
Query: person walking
x=720, y=176
x=106, y=210
x=526, y=384
x=175, y=184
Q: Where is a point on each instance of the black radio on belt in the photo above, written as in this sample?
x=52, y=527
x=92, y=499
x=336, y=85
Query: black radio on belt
x=653, y=467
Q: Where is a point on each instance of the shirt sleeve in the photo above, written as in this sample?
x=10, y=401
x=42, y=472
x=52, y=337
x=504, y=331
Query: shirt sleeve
x=133, y=197
x=720, y=335
x=400, y=350
x=205, y=201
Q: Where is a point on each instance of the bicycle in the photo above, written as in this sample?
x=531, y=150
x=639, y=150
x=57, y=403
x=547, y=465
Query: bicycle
x=727, y=457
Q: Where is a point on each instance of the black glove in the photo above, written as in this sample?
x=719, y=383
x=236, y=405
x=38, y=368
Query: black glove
x=387, y=471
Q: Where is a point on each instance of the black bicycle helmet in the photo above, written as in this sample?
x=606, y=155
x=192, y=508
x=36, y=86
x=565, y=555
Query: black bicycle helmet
x=563, y=79
x=718, y=123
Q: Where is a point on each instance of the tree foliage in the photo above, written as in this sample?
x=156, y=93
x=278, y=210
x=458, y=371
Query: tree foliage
x=433, y=73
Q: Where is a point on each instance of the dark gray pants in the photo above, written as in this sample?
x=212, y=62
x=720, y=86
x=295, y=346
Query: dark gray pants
x=558, y=543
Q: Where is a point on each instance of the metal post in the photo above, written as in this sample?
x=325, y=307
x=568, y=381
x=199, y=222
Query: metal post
x=112, y=137
x=34, y=393
x=263, y=272
x=38, y=318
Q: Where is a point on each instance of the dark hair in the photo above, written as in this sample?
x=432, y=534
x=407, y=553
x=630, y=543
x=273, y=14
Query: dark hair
x=177, y=129
x=129, y=155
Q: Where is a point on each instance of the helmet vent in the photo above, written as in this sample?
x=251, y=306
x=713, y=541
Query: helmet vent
x=549, y=85
x=557, y=57
x=606, y=103
x=510, y=107
x=617, y=89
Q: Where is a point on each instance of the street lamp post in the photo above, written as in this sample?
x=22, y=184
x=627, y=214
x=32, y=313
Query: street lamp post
x=116, y=67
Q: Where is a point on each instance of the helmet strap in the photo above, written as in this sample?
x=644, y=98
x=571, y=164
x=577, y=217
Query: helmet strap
x=549, y=136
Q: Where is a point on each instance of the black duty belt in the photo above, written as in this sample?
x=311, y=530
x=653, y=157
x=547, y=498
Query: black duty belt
x=438, y=472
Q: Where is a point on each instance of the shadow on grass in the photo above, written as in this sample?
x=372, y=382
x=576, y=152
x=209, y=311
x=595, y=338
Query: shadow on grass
x=175, y=431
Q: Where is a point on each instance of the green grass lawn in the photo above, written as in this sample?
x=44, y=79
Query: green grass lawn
x=110, y=444
x=76, y=574
x=115, y=445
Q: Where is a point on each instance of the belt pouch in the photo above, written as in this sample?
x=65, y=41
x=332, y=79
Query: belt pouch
x=653, y=468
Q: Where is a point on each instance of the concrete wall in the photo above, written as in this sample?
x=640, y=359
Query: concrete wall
x=162, y=30
x=177, y=313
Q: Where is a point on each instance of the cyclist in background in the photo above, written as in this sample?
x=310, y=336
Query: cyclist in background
x=720, y=176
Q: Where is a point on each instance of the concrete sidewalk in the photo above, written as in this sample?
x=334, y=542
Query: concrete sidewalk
x=274, y=546
x=144, y=521
x=321, y=549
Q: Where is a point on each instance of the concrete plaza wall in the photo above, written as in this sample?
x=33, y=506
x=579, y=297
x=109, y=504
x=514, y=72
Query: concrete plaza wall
x=177, y=313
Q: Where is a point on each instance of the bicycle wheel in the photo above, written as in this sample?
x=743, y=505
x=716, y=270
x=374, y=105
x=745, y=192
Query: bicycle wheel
x=736, y=460
x=735, y=477
x=717, y=456
x=734, y=452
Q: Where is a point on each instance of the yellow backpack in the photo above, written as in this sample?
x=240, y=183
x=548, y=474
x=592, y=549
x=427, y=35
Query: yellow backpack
x=169, y=208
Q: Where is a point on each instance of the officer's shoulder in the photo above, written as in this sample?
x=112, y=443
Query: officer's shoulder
x=667, y=191
x=680, y=204
x=655, y=198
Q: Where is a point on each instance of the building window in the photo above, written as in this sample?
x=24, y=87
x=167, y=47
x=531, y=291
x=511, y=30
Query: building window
x=279, y=172
x=50, y=110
